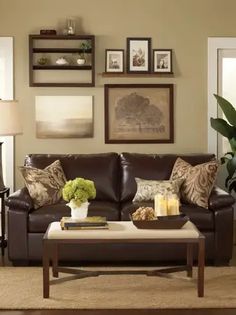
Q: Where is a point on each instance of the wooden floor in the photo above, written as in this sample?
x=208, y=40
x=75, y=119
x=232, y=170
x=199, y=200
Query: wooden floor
x=4, y=262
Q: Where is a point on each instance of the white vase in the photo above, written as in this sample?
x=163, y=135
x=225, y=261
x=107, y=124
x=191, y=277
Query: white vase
x=81, y=61
x=81, y=212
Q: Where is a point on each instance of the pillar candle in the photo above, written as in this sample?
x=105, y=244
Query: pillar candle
x=160, y=205
x=173, y=206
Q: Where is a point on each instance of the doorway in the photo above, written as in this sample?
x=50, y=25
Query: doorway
x=6, y=93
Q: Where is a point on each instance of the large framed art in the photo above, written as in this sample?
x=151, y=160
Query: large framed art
x=139, y=113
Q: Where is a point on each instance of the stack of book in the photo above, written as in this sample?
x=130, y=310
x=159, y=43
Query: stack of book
x=67, y=223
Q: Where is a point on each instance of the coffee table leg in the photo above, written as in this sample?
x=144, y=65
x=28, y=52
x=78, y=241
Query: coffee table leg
x=45, y=269
x=201, y=264
x=55, y=260
x=189, y=260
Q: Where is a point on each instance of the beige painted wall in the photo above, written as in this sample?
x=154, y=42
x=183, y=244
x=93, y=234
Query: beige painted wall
x=183, y=25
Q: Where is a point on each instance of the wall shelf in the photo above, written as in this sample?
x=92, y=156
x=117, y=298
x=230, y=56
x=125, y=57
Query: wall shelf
x=62, y=67
x=54, y=47
x=133, y=75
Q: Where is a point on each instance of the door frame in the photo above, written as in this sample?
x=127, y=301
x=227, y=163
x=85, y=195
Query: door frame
x=214, y=45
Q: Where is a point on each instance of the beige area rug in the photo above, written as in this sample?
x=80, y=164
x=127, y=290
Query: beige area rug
x=21, y=288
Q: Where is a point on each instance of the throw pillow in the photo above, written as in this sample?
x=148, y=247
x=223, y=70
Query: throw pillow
x=44, y=186
x=198, y=180
x=147, y=189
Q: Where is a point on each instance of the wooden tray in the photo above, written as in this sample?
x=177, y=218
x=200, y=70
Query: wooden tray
x=165, y=222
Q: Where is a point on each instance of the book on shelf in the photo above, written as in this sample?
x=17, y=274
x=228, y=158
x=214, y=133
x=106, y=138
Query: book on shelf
x=87, y=223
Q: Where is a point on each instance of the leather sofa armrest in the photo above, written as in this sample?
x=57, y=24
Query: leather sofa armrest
x=20, y=200
x=220, y=199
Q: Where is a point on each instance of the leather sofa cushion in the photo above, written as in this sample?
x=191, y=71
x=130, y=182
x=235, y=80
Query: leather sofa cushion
x=202, y=218
x=39, y=219
x=102, y=168
x=150, y=166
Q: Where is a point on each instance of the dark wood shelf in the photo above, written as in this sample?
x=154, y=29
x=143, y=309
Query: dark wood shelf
x=60, y=44
x=61, y=50
x=52, y=84
x=62, y=67
x=129, y=75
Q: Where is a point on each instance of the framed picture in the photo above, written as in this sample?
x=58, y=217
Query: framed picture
x=114, y=60
x=139, y=113
x=64, y=116
x=138, y=55
x=162, y=60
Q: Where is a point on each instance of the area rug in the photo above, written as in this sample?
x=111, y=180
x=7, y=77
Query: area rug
x=22, y=289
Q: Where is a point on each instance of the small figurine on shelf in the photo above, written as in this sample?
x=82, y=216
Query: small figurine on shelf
x=62, y=61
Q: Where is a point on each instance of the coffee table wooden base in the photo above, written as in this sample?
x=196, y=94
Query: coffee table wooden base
x=51, y=248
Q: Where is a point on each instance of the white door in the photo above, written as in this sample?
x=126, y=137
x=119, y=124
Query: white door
x=221, y=80
x=6, y=92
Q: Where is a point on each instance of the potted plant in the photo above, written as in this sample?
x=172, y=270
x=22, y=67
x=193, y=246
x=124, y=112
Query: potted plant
x=227, y=128
x=84, y=47
x=77, y=192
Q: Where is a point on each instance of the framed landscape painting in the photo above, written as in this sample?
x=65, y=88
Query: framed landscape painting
x=139, y=113
x=138, y=55
x=64, y=116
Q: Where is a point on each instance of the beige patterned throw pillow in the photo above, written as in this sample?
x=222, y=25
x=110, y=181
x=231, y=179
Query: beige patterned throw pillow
x=147, y=189
x=44, y=186
x=198, y=180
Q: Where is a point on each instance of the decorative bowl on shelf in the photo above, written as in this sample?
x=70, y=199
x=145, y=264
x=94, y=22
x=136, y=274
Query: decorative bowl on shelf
x=80, y=61
x=62, y=61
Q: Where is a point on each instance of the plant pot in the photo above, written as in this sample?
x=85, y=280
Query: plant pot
x=81, y=212
x=81, y=61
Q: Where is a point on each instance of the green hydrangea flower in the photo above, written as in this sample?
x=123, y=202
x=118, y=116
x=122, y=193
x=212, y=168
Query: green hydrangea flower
x=79, y=190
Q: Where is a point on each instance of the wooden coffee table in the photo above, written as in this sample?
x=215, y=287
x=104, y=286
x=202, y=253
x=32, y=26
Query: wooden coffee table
x=126, y=232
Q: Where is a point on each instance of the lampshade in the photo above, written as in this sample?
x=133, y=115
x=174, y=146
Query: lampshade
x=10, y=125
x=9, y=118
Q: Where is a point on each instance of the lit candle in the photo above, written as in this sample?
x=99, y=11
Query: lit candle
x=173, y=206
x=160, y=205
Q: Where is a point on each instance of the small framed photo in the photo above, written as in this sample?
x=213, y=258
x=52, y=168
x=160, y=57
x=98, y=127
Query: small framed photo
x=114, y=60
x=162, y=60
x=138, y=55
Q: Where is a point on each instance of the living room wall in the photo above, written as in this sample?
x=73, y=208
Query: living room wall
x=182, y=25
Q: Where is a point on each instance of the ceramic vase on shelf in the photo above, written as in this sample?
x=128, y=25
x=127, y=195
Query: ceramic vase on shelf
x=79, y=213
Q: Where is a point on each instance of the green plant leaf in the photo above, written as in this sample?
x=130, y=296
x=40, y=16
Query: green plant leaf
x=232, y=142
x=232, y=185
x=224, y=159
x=231, y=167
x=221, y=126
x=228, y=109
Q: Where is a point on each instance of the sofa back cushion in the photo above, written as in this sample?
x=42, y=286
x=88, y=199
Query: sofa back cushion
x=102, y=168
x=151, y=166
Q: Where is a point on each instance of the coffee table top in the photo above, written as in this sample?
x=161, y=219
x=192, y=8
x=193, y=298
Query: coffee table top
x=122, y=230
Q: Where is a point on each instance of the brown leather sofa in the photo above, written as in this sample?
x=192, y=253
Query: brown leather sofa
x=114, y=177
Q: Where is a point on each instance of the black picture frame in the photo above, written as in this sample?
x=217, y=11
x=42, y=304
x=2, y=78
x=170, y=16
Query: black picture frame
x=114, y=60
x=162, y=61
x=138, y=55
x=125, y=102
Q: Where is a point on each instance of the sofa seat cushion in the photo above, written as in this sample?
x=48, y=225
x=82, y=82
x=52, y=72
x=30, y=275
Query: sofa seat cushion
x=39, y=219
x=202, y=218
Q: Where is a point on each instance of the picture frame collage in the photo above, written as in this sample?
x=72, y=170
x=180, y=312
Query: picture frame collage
x=140, y=58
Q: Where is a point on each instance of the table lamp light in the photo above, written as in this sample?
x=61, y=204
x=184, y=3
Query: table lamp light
x=10, y=125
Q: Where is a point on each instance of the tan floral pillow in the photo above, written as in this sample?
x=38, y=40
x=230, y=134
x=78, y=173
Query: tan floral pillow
x=198, y=180
x=147, y=189
x=44, y=186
